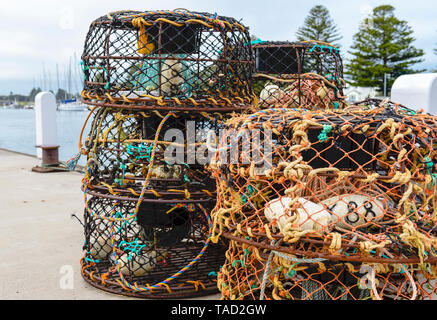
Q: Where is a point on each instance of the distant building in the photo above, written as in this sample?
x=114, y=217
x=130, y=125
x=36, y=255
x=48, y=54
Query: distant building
x=356, y=94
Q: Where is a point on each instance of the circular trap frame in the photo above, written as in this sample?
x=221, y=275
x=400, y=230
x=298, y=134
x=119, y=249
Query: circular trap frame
x=353, y=186
x=168, y=60
x=163, y=251
x=306, y=74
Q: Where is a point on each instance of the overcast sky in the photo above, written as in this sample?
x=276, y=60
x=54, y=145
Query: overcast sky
x=49, y=32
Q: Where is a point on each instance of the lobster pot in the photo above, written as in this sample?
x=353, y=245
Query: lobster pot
x=138, y=236
x=253, y=273
x=355, y=185
x=121, y=141
x=298, y=74
x=168, y=60
x=136, y=256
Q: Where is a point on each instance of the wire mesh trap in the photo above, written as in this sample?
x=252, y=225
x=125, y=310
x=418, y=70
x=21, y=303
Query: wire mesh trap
x=148, y=74
x=152, y=255
x=147, y=225
x=298, y=74
x=168, y=60
x=350, y=187
x=121, y=142
x=254, y=273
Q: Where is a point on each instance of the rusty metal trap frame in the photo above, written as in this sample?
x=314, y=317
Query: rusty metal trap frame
x=121, y=142
x=147, y=223
x=166, y=258
x=356, y=185
x=306, y=74
x=255, y=273
x=168, y=60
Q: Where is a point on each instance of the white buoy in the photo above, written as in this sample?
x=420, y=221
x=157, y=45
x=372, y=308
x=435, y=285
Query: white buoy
x=45, y=121
x=346, y=211
x=171, y=77
x=138, y=265
x=355, y=210
x=163, y=171
x=322, y=92
x=270, y=93
x=100, y=248
x=312, y=216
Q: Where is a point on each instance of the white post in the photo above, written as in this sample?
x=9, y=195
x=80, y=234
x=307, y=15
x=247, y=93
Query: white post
x=416, y=91
x=45, y=116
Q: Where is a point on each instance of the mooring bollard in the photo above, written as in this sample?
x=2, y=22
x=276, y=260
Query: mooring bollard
x=46, y=142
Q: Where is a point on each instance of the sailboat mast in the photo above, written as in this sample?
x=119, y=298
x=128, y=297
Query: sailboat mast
x=76, y=75
x=44, y=80
x=49, y=80
x=69, y=75
x=57, y=77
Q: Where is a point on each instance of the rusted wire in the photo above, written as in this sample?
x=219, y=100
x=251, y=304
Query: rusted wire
x=147, y=223
x=354, y=186
x=298, y=74
x=168, y=60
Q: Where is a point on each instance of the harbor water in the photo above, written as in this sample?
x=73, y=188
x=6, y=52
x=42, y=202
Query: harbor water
x=17, y=131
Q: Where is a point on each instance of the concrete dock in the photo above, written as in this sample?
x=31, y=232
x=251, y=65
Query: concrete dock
x=40, y=241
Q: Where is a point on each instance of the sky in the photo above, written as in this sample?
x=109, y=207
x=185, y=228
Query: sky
x=39, y=35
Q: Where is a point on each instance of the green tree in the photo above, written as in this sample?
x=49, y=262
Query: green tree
x=33, y=93
x=319, y=25
x=435, y=50
x=62, y=94
x=383, y=45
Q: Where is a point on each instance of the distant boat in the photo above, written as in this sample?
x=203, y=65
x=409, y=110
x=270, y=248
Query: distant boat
x=15, y=105
x=72, y=105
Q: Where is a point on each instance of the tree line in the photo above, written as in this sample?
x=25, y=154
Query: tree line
x=61, y=94
x=383, y=45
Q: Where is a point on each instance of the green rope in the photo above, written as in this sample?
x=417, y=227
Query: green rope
x=123, y=168
x=290, y=273
x=256, y=41
x=243, y=259
x=91, y=260
x=141, y=155
x=85, y=68
x=120, y=215
x=132, y=247
x=107, y=76
x=323, y=136
x=323, y=47
x=429, y=166
x=246, y=196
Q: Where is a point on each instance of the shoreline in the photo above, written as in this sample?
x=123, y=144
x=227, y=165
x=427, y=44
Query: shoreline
x=18, y=152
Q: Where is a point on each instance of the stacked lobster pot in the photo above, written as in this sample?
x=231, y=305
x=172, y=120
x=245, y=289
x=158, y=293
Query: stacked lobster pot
x=306, y=74
x=158, y=82
x=341, y=205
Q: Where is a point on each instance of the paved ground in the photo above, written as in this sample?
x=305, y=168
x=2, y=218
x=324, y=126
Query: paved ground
x=40, y=242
